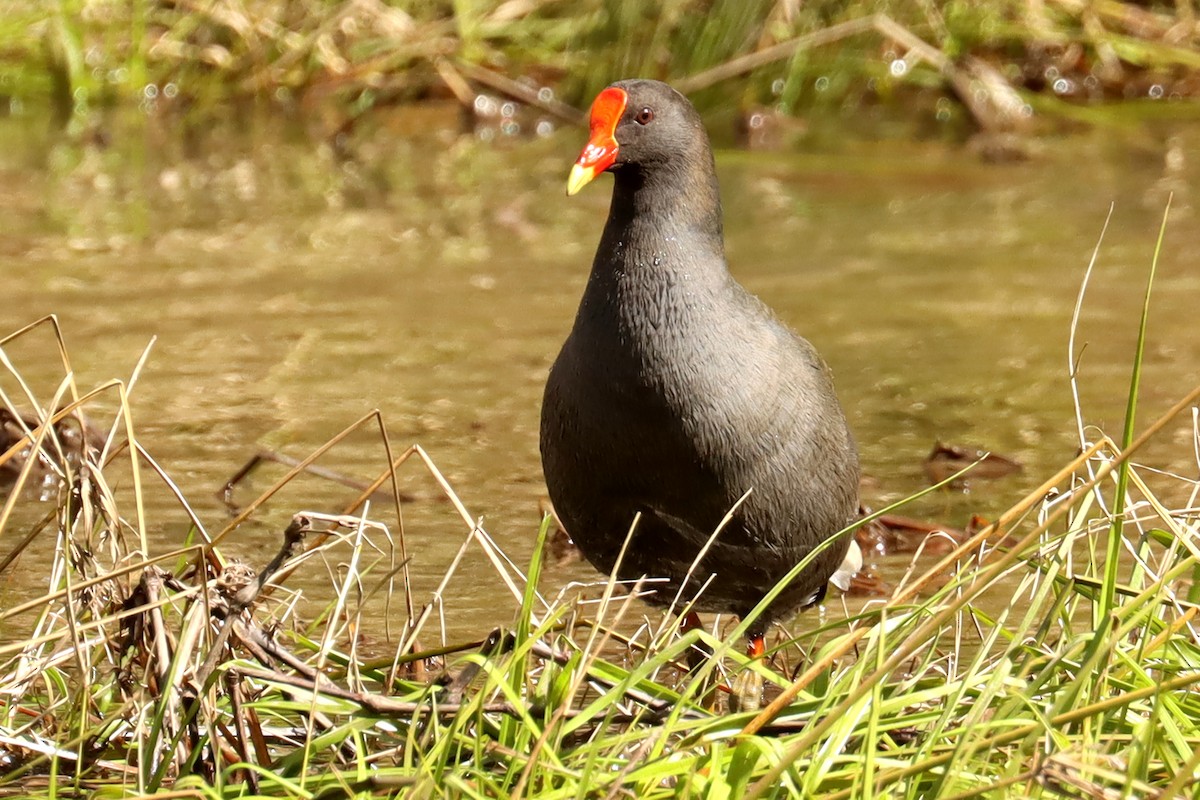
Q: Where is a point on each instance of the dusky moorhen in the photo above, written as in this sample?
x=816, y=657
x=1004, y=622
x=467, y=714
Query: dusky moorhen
x=677, y=391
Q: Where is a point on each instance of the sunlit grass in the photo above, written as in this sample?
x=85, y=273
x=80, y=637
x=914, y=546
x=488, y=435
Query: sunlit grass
x=1053, y=652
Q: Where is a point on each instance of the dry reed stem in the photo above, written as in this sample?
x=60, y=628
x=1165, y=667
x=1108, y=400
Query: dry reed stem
x=375, y=416
x=98, y=580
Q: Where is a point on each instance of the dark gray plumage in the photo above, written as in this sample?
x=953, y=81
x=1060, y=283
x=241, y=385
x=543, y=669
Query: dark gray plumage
x=677, y=391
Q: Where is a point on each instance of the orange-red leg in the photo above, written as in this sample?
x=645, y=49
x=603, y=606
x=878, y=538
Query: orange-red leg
x=757, y=645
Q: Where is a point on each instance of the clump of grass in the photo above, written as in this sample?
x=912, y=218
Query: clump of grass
x=139, y=672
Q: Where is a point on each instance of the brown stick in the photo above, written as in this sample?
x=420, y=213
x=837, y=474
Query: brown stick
x=777, y=52
x=519, y=91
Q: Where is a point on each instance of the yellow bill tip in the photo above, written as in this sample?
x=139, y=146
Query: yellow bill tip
x=580, y=176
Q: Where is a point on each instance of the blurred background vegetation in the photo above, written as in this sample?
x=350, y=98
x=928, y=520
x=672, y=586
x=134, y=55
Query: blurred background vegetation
x=995, y=66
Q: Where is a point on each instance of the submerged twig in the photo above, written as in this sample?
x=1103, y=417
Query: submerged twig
x=265, y=456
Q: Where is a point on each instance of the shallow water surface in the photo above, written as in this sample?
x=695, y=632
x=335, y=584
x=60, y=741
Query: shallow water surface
x=290, y=290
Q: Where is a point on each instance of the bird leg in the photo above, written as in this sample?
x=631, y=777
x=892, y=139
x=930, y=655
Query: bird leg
x=745, y=691
x=699, y=652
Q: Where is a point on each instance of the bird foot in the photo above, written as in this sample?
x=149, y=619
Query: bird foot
x=746, y=691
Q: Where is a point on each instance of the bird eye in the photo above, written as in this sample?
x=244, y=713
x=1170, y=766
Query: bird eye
x=645, y=116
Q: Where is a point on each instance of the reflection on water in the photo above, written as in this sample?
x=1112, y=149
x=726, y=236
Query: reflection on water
x=291, y=290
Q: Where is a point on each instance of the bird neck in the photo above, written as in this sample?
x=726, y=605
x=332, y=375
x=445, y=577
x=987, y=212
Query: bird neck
x=660, y=270
x=666, y=217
